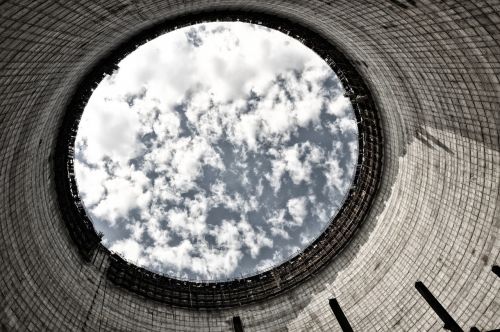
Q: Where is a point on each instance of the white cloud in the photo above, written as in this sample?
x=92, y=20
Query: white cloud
x=110, y=129
x=191, y=222
x=278, y=256
x=306, y=238
x=189, y=155
x=90, y=182
x=136, y=230
x=278, y=223
x=267, y=263
x=235, y=202
x=339, y=106
x=122, y=195
x=298, y=160
x=227, y=235
x=167, y=125
x=245, y=131
x=259, y=188
x=130, y=249
x=254, y=240
x=308, y=110
x=156, y=232
x=346, y=125
x=297, y=207
x=334, y=174
x=214, y=263
x=278, y=169
x=298, y=170
x=179, y=257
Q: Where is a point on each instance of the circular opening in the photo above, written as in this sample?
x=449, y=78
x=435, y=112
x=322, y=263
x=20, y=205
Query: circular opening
x=216, y=150
x=239, y=290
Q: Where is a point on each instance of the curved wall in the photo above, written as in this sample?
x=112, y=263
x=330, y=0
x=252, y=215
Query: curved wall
x=433, y=70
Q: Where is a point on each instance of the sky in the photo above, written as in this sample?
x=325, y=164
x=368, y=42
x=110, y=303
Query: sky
x=215, y=151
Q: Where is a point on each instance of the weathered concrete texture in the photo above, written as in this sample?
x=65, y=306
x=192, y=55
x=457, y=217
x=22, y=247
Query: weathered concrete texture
x=433, y=68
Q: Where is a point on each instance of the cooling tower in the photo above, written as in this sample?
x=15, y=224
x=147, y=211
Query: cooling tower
x=424, y=245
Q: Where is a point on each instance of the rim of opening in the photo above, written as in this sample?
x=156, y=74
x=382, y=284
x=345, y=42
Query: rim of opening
x=259, y=285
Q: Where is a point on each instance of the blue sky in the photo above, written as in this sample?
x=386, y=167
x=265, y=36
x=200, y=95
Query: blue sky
x=215, y=150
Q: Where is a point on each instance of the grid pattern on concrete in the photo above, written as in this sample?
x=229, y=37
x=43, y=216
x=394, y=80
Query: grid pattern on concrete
x=433, y=70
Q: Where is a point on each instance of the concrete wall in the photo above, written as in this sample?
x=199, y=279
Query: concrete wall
x=433, y=69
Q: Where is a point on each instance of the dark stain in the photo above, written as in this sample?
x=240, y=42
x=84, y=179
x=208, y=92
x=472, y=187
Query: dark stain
x=3, y=328
x=473, y=251
x=438, y=142
x=399, y=4
x=424, y=140
x=402, y=5
x=40, y=142
x=117, y=9
x=376, y=266
x=389, y=26
x=485, y=259
x=360, y=63
x=431, y=141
